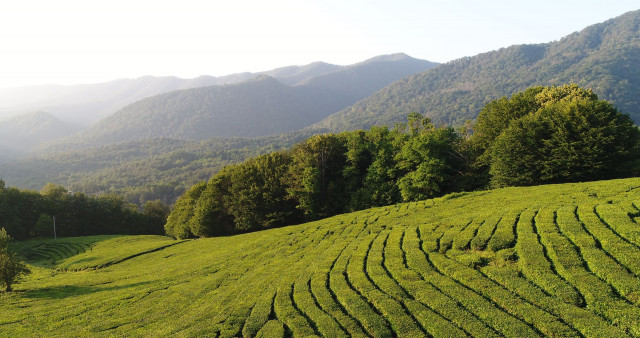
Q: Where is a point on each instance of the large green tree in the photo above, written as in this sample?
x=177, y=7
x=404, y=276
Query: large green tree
x=370, y=172
x=177, y=225
x=567, y=135
x=258, y=197
x=12, y=268
x=211, y=216
x=315, y=176
x=428, y=160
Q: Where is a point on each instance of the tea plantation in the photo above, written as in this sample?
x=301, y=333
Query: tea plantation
x=555, y=260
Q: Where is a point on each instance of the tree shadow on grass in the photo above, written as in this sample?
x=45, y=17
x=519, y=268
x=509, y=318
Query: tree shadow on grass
x=66, y=291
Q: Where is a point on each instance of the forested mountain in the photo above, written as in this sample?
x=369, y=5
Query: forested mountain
x=258, y=107
x=604, y=57
x=262, y=106
x=22, y=132
x=88, y=103
x=365, y=78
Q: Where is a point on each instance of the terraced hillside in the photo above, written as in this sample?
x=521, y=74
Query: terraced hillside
x=557, y=260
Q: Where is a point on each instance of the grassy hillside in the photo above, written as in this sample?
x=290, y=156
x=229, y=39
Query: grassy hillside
x=555, y=260
x=604, y=57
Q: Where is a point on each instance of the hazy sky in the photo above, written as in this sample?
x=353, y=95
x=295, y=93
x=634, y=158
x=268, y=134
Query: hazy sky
x=80, y=41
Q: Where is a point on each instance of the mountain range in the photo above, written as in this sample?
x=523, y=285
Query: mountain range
x=258, y=107
x=316, y=98
x=85, y=104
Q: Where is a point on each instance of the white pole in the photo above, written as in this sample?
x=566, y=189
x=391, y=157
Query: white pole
x=54, y=229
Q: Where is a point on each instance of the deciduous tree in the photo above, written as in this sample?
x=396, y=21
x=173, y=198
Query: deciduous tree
x=12, y=268
x=571, y=137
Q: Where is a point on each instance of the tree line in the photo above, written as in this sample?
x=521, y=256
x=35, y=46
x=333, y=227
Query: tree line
x=26, y=214
x=325, y=175
x=542, y=135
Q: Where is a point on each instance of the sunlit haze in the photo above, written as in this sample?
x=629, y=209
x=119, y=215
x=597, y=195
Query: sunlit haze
x=70, y=42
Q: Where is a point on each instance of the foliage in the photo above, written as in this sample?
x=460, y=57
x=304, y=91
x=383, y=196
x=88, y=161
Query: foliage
x=258, y=196
x=370, y=172
x=429, y=163
x=180, y=218
x=316, y=175
x=141, y=171
x=323, y=176
x=44, y=226
x=12, y=268
x=27, y=213
x=554, y=135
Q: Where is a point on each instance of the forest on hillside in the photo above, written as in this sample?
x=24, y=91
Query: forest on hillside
x=603, y=57
x=144, y=170
x=538, y=136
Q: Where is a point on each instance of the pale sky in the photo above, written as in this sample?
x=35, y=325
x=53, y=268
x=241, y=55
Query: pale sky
x=84, y=41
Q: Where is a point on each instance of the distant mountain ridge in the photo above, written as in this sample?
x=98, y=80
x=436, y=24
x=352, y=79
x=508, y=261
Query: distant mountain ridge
x=259, y=107
x=85, y=104
x=604, y=57
x=88, y=103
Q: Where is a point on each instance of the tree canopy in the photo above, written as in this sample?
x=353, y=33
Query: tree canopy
x=553, y=135
x=325, y=175
x=12, y=268
x=27, y=214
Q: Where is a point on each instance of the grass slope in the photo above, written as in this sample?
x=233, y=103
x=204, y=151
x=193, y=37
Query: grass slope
x=556, y=260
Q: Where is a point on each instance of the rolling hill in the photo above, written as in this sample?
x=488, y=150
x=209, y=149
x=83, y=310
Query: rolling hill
x=604, y=57
x=556, y=260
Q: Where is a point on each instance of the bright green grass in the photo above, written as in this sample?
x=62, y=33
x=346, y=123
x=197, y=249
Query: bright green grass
x=557, y=260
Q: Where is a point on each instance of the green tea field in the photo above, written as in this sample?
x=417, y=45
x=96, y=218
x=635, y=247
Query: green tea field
x=555, y=260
